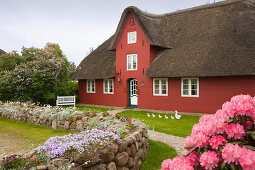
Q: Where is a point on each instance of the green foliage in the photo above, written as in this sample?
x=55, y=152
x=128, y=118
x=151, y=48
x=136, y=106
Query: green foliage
x=37, y=75
x=158, y=152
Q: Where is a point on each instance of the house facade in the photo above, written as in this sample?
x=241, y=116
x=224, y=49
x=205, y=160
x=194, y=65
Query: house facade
x=191, y=60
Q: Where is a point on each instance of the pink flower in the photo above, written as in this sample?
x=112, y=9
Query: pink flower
x=229, y=109
x=192, y=159
x=247, y=159
x=244, y=105
x=32, y=159
x=235, y=131
x=188, y=141
x=176, y=164
x=231, y=153
x=209, y=160
x=216, y=141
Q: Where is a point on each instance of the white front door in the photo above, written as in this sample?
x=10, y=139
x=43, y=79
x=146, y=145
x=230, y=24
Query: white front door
x=133, y=92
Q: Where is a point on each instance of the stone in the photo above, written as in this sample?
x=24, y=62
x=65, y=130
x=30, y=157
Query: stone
x=136, y=145
x=79, y=126
x=60, y=126
x=107, y=157
x=67, y=125
x=33, y=168
x=136, y=164
x=121, y=158
x=54, y=124
x=128, y=151
x=133, y=150
x=98, y=167
x=140, y=154
x=42, y=167
x=48, y=123
x=113, y=148
x=140, y=145
x=147, y=144
x=60, y=162
x=111, y=166
x=62, y=122
x=130, y=163
x=50, y=166
x=129, y=141
x=143, y=140
x=122, y=168
x=123, y=146
x=73, y=126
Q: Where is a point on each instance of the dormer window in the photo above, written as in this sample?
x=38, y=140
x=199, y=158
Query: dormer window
x=131, y=37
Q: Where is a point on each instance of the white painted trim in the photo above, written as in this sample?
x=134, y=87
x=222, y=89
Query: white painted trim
x=108, y=86
x=132, y=61
x=91, y=86
x=128, y=37
x=189, y=89
x=160, y=87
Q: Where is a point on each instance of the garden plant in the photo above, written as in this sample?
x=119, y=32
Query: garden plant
x=224, y=140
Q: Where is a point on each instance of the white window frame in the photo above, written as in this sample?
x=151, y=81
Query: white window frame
x=132, y=61
x=108, y=92
x=89, y=89
x=131, y=37
x=160, y=86
x=189, y=87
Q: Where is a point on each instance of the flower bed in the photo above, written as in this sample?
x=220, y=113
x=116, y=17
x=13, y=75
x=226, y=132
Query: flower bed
x=225, y=140
x=104, y=141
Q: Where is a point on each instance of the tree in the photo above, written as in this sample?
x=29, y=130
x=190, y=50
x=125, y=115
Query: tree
x=37, y=75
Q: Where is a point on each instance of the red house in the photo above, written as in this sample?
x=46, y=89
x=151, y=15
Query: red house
x=191, y=60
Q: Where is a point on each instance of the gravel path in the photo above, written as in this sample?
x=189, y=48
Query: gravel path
x=174, y=141
x=13, y=144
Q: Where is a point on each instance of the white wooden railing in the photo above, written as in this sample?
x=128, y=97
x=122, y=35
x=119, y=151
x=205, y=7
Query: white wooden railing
x=65, y=100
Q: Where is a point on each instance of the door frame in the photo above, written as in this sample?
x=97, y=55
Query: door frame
x=129, y=99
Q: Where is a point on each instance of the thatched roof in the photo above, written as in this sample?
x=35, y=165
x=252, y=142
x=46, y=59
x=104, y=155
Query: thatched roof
x=2, y=52
x=211, y=40
x=99, y=64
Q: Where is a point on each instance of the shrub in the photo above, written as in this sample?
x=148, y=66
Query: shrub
x=225, y=140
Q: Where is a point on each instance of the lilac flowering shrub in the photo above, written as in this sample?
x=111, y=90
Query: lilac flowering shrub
x=37, y=75
x=85, y=142
x=224, y=140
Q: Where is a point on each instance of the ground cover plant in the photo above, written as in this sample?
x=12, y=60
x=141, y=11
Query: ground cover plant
x=177, y=127
x=224, y=140
x=91, y=108
x=157, y=153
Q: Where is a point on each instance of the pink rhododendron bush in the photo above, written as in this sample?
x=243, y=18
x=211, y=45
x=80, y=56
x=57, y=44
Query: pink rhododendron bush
x=224, y=140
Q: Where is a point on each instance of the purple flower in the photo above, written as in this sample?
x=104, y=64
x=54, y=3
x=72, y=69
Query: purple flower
x=4, y=163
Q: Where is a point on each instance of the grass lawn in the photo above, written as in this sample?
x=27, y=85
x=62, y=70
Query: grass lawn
x=158, y=152
x=91, y=108
x=36, y=134
x=181, y=127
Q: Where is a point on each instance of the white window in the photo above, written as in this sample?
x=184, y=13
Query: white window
x=190, y=87
x=131, y=37
x=91, y=86
x=160, y=87
x=108, y=86
x=132, y=62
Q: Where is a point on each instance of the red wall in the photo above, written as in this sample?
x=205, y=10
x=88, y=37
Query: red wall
x=213, y=91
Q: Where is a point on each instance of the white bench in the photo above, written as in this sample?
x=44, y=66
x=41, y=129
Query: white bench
x=65, y=100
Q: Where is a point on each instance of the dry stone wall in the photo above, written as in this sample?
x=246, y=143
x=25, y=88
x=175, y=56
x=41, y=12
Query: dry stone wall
x=130, y=154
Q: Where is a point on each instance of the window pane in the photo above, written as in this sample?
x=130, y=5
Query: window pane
x=93, y=85
x=193, y=81
x=106, y=86
x=163, y=82
x=110, y=86
x=134, y=62
x=156, y=89
x=185, y=81
x=156, y=82
x=88, y=85
x=185, y=86
x=185, y=92
x=163, y=91
x=193, y=92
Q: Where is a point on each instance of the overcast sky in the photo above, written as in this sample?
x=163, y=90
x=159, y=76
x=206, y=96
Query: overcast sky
x=76, y=25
